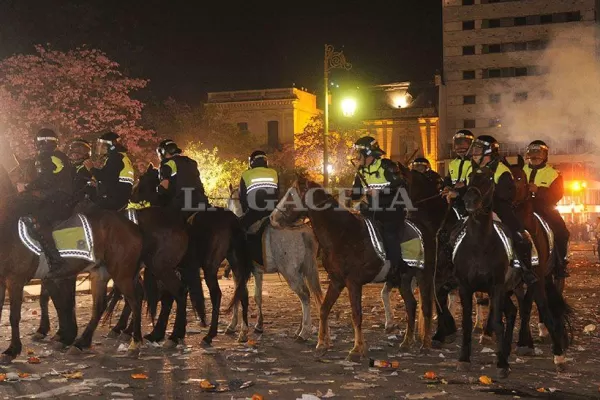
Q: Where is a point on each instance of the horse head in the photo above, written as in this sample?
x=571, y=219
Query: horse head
x=145, y=188
x=480, y=192
x=294, y=205
x=520, y=178
x=421, y=186
x=233, y=202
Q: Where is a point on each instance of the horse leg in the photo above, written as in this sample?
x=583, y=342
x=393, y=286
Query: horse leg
x=478, y=327
x=15, y=292
x=258, y=286
x=555, y=310
x=355, y=293
x=446, y=327
x=127, y=333
x=160, y=327
x=121, y=323
x=62, y=293
x=410, y=304
x=127, y=287
x=389, y=312
x=426, y=312
x=44, y=327
x=232, y=327
x=296, y=282
x=510, y=312
x=497, y=301
x=525, y=346
x=191, y=276
x=488, y=328
x=99, y=280
x=333, y=292
x=212, y=281
x=466, y=299
x=174, y=287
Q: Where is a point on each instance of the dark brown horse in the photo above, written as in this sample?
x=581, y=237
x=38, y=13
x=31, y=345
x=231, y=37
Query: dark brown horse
x=117, y=251
x=348, y=255
x=481, y=264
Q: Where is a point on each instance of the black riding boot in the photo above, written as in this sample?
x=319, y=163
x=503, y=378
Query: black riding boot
x=393, y=248
x=523, y=250
x=561, y=247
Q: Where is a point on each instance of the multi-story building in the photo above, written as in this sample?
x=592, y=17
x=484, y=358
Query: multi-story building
x=272, y=115
x=492, y=53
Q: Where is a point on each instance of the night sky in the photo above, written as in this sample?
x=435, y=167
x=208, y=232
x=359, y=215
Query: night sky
x=189, y=48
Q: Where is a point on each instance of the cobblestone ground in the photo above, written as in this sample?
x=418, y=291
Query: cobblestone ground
x=277, y=367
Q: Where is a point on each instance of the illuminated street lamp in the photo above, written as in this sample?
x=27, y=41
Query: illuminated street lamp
x=333, y=59
x=348, y=107
x=329, y=169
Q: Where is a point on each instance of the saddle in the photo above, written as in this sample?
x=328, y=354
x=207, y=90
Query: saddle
x=131, y=210
x=73, y=239
x=411, y=243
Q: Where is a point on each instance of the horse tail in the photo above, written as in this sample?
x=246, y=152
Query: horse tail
x=560, y=313
x=241, y=263
x=113, y=298
x=151, y=293
x=310, y=269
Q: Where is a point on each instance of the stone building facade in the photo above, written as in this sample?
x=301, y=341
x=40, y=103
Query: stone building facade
x=272, y=115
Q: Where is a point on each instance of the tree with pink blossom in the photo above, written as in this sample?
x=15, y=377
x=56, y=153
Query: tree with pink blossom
x=78, y=93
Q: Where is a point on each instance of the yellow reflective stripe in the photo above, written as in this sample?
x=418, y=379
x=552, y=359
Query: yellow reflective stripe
x=173, y=165
x=543, y=177
x=126, y=175
x=374, y=175
x=58, y=164
x=501, y=169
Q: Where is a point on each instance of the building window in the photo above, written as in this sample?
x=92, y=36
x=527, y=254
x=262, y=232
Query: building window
x=520, y=46
x=468, y=74
x=495, y=98
x=492, y=73
x=493, y=23
x=573, y=16
x=471, y=99
x=520, y=21
x=546, y=19
x=469, y=123
x=468, y=2
x=495, y=48
x=468, y=50
x=468, y=25
x=521, y=71
x=521, y=96
x=273, y=134
x=242, y=127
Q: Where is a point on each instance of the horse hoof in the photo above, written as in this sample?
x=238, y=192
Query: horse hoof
x=74, y=351
x=113, y=334
x=203, y=324
x=206, y=341
x=243, y=338
x=424, y=350
x=502, y=373
x=169, y=344
x=485, y=339
x=477, y=330
x=124, y=337
x=561, y=367
x=543, y=340
x=320, y=351
x=38, y=337
x=133, y=353
x=436, y=344
x=55, y=338
x=463, y=366
x=300, y=339
x=354, y=357
x=392, y=328
x=524, y=351
x=58, y=346
x=229, y=331
x=258, y=330
x=6, y=359
x=405, y=346
x=450, y=338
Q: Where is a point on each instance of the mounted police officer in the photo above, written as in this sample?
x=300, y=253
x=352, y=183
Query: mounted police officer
x=486, y=154
x=259, y=189
x=179, y=174
x=80, y=150
x=460, y=167
x=547, y=188
x=423, y=165
x=48, y=197
x=380, y=178
x=115, y=177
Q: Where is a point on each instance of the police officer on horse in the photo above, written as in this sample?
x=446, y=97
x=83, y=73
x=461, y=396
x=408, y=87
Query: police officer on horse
x=80, y=150
x=258, y=189
x=547, y=188
x=423, y=165
x=380, y=179
x=179, y=175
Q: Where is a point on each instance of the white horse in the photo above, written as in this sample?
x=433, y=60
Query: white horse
x=292, y=252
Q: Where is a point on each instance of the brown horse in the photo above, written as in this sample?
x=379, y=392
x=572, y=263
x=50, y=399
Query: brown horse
x=117, y=251
x=348, y=255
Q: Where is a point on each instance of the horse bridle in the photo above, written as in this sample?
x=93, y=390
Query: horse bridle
x=484, y=195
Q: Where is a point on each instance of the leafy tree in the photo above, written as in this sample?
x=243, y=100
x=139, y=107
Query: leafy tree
x=79, y=93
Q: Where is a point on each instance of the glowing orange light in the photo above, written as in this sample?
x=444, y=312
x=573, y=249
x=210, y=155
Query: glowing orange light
x=577, y=186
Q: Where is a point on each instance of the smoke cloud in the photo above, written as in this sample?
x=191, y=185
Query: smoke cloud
x=565, y=105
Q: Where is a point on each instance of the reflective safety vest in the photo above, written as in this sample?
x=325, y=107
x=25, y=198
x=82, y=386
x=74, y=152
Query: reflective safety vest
x=542, y=177
x=58, y=164
x=126, y=175
x=173, y=165
x=374, y=175
x=459, y=170
x=501, y=169
x=260, y=178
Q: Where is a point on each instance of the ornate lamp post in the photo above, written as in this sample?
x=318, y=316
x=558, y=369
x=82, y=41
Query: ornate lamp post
x=333, y=59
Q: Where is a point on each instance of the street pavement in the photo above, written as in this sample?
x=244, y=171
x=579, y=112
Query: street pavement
x=275, y=366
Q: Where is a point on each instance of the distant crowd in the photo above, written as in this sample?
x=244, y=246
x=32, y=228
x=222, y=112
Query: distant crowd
x=584, y=232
